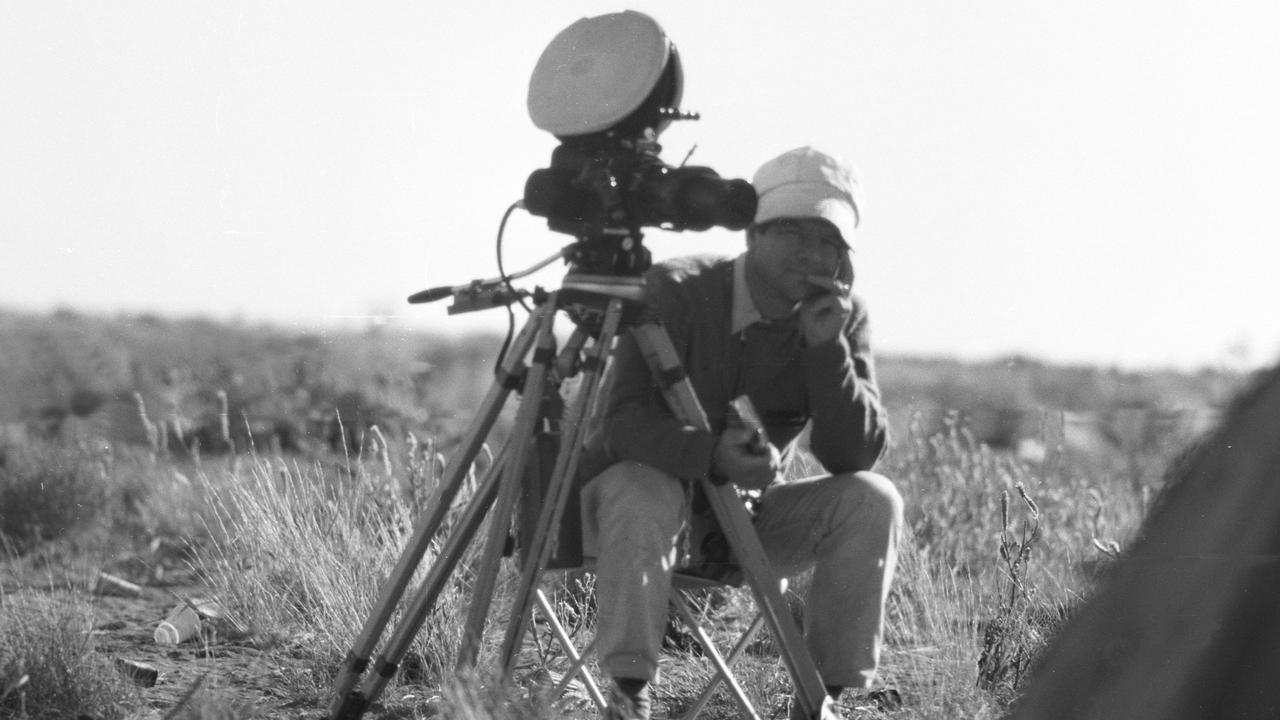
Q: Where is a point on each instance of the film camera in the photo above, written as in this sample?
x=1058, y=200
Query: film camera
x=606, y=87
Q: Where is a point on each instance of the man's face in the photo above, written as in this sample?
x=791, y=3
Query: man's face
x=786, y=251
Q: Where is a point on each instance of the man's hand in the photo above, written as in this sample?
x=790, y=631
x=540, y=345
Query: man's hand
x=738, y=456
x=824, y=315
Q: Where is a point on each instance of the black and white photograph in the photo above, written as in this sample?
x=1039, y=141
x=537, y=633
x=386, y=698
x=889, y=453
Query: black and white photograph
x=639, y=360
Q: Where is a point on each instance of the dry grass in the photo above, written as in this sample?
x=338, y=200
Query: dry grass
x=48, y=667
x=299, y=554
x=994, y=554
x=997, y=549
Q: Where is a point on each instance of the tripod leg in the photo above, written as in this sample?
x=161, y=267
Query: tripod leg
x=401, y=637
x=734, y=520
x=499, y=524
x=357, y=658
x=558, y=489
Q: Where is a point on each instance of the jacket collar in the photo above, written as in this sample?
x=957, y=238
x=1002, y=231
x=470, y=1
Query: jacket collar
x=744, y=312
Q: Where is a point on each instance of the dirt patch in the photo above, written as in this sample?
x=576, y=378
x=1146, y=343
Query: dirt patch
x=220, y=662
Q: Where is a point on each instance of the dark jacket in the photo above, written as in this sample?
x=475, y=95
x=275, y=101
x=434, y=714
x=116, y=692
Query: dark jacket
x=830, y=387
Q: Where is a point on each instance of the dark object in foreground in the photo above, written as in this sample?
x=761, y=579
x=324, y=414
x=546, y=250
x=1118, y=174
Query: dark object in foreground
x=1187, y=624
x=140, y=673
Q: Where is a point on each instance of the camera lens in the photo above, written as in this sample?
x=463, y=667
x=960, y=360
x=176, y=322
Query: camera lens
x=696, y=198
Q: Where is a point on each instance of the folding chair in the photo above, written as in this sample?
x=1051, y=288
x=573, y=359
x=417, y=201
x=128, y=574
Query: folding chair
x=684, y=581
x=722, y=664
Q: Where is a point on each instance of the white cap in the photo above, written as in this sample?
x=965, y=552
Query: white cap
x=808, y=183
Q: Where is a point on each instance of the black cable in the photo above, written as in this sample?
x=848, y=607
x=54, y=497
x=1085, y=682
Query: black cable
x=506, y=280
x=501, y=272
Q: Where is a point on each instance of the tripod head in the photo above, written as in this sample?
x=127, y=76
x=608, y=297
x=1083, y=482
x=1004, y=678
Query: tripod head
x=583, y=296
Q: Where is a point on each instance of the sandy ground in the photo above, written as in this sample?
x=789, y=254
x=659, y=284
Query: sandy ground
x=228, y=668
x=225, y=663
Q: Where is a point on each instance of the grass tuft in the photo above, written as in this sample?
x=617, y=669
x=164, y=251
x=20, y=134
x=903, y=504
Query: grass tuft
x=299, y=555
x=49, y=668
x=1014, y=637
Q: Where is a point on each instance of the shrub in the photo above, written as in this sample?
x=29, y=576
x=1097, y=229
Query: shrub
x=47, y=492
x=48, y=665
x=301, y=552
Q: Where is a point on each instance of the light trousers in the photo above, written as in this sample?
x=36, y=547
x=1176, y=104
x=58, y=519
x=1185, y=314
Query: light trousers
x=843, y=526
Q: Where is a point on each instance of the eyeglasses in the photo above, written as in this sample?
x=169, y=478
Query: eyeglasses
x=817, y=235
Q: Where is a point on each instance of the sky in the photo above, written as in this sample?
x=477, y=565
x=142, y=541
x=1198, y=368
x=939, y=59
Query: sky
x=1085, y=182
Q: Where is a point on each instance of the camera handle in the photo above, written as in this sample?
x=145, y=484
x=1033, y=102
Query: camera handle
x=499, y=493
x=488, y=293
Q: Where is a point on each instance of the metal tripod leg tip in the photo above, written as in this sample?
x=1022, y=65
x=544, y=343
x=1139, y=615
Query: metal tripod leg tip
x=352, y=707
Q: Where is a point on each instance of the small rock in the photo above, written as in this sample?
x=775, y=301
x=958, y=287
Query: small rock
x=209, y=608
x=141, y=673
x=217, y=621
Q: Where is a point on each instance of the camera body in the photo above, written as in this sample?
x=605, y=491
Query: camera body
x=606, y=87
x=602, y=189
